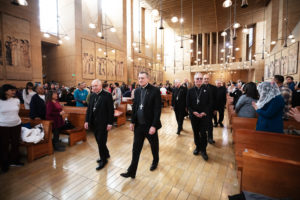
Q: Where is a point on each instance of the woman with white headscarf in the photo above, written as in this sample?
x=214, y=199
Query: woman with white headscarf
x=269, y=108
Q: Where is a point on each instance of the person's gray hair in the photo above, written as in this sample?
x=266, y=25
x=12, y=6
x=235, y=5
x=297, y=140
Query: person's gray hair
x=143, y=72
x=97, y=80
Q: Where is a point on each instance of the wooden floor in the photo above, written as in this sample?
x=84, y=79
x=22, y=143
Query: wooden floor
x=180, y=174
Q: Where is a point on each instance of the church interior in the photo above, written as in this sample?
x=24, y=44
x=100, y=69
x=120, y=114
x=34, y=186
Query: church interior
x=71, y=42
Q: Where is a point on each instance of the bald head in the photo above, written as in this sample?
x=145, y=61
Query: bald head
x=206, y=79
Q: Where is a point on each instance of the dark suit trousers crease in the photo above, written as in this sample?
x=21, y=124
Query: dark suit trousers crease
x=140, y=133
x=221, y=115
x=199, y=127
x=101, y=138
x=9, y=136
x=179, y=118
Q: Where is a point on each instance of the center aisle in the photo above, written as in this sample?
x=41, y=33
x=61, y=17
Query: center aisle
x=180, y=174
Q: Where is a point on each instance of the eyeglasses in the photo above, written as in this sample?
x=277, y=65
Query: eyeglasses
x=199, y=79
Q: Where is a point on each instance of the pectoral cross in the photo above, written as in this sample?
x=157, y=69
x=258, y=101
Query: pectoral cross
x=198, y=101
x=141, y=106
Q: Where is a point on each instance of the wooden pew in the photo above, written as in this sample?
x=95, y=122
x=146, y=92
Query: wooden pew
x=271, y=176
x=250, y=123
x=273, y=144
x=23, y=112
x=42, y=148
x=76, y=115
x=120, y=114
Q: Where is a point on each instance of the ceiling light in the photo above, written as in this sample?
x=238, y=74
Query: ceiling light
x=113, y=51
x=139, y=59
x=46, y=35
x=99, y=34
x=223, y=34
x=255, y=55
x=236, y=25
x=158, y=55
x=67, y=37
x=99, y=49
x=293, y=40
x=92, y=26
x=112, y=29
x=191, y=41
x=181, y=20
x=60, y=41
x=136, y=49
x=205, y=61
x=158, y=58
x=232, y=58
x=222, y=50
x=198, y=59
x=191, y=50
x=199, y=52
x=273, y=42
x=230, y=46
x=227, y=3
x=237, y=49
x=155, y=12
x=134, y=44
x=221, y=59
x=147, y=46
x=291, y=36
x=228, y=56
x=245, y=30
x=174, y=19
x=104, y=53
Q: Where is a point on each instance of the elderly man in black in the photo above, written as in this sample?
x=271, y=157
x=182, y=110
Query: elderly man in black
x=199, y=103
x=99, y=118
x=213, y=89
x=179, y=103
x=220, y=103
x=145, y=122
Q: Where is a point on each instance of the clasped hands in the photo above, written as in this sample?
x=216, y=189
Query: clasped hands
x=152, y=129
x=199, y=115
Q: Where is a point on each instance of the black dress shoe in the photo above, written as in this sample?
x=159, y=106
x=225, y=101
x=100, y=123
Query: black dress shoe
x=211, y=141
x=221, y=124
x=196, y=151
x=215, y=125
x=101, y=165
x=127, y=175
x=178, y=132
x=204, y=156
x=107, y=157
x=153, y=166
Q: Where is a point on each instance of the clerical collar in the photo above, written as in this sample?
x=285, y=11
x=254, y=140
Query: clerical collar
x=198, y=87
x=145, y=86
x=99, y=92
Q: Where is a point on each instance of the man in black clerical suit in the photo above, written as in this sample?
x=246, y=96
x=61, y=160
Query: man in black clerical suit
x=199, y=103
x=145, y=122
x=99, y=118
x=213, y=90
x=179, y=103
x=220, y=103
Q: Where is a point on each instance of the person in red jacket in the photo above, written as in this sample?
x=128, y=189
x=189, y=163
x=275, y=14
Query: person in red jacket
x=54, y=112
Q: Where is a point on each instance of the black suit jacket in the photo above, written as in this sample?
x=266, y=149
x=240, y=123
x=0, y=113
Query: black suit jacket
x=104, y=112
x=221, y=97
x=180, y=104
x=152, y=106
x=213, y=90
x=37, y=107
x=206, y=101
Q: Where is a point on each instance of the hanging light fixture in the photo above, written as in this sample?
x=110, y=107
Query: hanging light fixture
x=155, y=12
x=227, y=3
x=224, y=33
x=244, y=4
x=236, y=25
x=92, y=25
x=161, y=17
x=245, y=30
x=19, y=2
x=174, y=19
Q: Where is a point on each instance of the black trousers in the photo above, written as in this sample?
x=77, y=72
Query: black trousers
x=55, y=138
x=9, y=136
x=101, y=138
x=210, y=127
x=179, y=118
x=199, y=127
x=140, y=133
x=221, y=115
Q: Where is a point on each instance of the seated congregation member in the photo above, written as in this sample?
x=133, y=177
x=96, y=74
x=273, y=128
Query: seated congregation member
x=54, y=112
x=269, y=108
x=244, y=107
x=27, y=95
x=163, y=90
x=290, y=83
x=70, y=97
x=38, y=105
x=10, y=127
x=80, y=95
x=286, y=94
x=99, y=118
x=236, y=93
x=296, y=96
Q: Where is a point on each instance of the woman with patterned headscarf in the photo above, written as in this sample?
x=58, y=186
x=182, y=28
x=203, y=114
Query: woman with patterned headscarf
x=269, y=107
